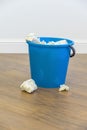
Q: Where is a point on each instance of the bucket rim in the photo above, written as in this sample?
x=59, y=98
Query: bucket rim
x=69, y=41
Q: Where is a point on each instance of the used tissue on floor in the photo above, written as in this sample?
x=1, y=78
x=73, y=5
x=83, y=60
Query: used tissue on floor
x=28, y=86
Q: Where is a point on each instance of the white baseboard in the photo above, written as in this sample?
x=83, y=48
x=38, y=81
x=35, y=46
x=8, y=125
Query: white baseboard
x=13, y=46
x=20, y=46
x=81, y=48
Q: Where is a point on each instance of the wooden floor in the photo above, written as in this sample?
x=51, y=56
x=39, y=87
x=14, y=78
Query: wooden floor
x=45, y=109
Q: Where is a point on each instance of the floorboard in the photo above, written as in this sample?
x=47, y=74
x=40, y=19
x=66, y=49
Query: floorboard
x=45, y=109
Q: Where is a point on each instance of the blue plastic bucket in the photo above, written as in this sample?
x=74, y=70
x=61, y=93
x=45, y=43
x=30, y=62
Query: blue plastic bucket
x=49, y=63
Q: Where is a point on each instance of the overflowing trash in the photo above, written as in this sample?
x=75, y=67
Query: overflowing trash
x=33, y=38
x=47, y=80
x=30, y=86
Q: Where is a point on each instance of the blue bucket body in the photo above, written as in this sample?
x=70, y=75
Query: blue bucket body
x=49, y=63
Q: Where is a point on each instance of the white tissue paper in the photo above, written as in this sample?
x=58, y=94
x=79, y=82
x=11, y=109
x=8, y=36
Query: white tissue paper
x=32, y=37
x=63, y=88
x=28, y=86
x=61, y=42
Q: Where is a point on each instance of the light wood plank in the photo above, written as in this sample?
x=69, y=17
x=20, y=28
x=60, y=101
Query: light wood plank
x=45, y=109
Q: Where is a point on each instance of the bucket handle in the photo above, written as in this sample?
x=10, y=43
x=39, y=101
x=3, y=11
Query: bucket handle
x=73, y=51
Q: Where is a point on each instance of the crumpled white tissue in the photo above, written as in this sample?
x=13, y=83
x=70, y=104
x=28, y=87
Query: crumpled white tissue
x=32, y=37
x=63, y=88
x=28, y=86
x=60, y=42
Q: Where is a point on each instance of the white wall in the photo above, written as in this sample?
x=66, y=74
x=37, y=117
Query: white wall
x=61, y=18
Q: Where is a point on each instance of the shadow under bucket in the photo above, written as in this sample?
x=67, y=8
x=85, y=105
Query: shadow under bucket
x=49, y=63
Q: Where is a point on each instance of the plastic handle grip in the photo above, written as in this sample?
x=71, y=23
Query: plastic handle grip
x=73, y=51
